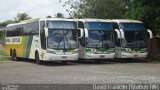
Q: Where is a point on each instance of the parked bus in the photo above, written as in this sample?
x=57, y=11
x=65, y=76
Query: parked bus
x=98, y=42
x=43, y=40
x=134, y=39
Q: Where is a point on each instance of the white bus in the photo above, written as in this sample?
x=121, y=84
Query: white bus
x=134, y=39
x=43, y=40
x=98, y=42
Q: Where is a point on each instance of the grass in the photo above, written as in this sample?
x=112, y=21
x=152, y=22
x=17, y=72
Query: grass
x=156, y=61
x=149, y=60
x=4, y=58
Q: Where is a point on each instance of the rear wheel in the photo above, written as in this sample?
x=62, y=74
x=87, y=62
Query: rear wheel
x=14, y=56
x=37, y=58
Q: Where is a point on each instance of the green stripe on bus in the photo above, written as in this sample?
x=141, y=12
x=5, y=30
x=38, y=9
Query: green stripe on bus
x=28, y=46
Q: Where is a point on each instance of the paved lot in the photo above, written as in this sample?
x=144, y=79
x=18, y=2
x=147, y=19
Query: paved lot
x=28, y=72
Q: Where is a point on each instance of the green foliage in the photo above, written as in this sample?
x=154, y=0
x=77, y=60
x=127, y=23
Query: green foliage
x=147, y=11
x=49, y=17
x=97, y=8
x=5, y=23
x=21, y=17
x=18, y=18
x=1, y=37
x=59, y=15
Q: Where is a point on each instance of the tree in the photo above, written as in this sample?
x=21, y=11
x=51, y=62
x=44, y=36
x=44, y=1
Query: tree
x=59, y=15
x=147, y=11
x=97, y=8
x=5, y=23
x=21, y=17
x=49, y=16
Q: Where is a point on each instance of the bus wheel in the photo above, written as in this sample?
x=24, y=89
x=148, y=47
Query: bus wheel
x=98, y=61
x=14, y=57
x=64, y=62
x=37, y=58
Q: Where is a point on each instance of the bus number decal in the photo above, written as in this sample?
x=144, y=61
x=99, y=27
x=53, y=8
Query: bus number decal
x=14, y=40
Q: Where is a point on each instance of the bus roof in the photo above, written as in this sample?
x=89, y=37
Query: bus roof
x=56, y=19
x=126, y=21
x=40, y=19
x=94, y=20
x=24, y=22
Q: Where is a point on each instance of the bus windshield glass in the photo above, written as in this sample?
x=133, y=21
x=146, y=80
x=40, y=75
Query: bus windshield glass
x=135, y=35
x=62, y=35
x=100, y=35
x=62, y=25
x=132, y=26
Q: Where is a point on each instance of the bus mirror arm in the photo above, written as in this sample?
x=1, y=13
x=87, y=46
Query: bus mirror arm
x=118, y=33
x=150, y=33
x=81, y=33
x=122, y=33
x=46, y=32
x=86, y=33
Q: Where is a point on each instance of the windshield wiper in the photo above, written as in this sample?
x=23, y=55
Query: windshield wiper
x=101, y=40
x=59, y=44
x=67, y=41
x=98, y=43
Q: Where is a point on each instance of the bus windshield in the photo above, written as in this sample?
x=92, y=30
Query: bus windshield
x=132, y=26
x=62, y=35
x=135, y=35
x=100, y=35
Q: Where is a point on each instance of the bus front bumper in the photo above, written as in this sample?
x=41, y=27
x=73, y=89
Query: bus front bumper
x=134, y=55
x=99, y=56
x=54, y=57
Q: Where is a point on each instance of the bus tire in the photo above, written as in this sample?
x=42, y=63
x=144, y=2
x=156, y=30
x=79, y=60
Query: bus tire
x=14, y=56
x=37, y=58
x=97, y=61
x=64, y=62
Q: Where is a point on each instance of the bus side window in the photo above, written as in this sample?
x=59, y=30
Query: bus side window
x=42, y=35
x=81, y=40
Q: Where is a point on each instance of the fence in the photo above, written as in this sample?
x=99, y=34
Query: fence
x=155, y=48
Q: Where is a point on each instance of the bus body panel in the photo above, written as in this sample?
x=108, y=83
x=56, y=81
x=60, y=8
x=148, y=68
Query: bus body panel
x=22, y=45
x=35, y=46
x=64, y=57
x=102, y=53
x=131, y=53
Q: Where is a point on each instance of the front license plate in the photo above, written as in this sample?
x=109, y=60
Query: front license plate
x=102, y=56
x=64, y=57
x=135, y=55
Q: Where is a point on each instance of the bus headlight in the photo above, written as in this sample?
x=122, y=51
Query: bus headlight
x=75, y=51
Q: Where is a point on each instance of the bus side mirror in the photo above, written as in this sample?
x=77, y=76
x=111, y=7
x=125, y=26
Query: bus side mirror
x=150, y=33
x=122, y=33
x=46, y=32
x=86, y=33
x=118, y=33
x=80, y=33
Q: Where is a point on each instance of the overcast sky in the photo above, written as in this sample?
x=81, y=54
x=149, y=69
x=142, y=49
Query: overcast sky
x=34, y=8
